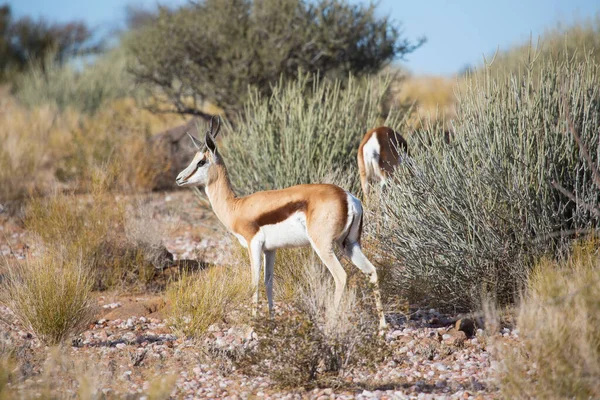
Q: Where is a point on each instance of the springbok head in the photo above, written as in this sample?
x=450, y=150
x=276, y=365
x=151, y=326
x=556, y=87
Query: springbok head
x=196, y=174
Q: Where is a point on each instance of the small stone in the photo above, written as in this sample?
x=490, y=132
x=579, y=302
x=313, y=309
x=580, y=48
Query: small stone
x=440, y=367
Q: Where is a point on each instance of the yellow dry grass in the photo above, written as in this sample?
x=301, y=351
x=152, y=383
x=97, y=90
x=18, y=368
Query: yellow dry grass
x=198, y=300
x=432, y=96
x=44, y=149
x=50, y=296
x=558, y=323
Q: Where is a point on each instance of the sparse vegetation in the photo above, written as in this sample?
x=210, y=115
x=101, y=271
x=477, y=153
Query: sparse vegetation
x=316, y=345
x=23, y=150
x=51, y=296
x=558, y=322
x=85, y=89
x=99, y=233
x=488, y=215
x=579, y=42
x=199, y=300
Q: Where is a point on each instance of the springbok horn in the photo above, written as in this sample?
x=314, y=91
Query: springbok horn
x=194, y=140
x=214, y=135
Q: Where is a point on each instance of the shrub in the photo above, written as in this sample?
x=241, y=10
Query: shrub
x=115, y=139
x=558, y=319
x=5, y=375
x=43, y=148
x=470, y=218
x=433, y=98
x=577, y=41
x=51, y=297
x=315, y=344
x=304, y=133
x=199, y=300
x=84, y=89
x=255, y=42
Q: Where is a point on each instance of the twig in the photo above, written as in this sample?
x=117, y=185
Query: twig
x=584, y=150
x=572, y=197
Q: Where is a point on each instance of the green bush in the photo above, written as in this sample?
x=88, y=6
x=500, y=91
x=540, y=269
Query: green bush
x=212, y=50
x=307, y=131
x=85, y=90
x=470, y=218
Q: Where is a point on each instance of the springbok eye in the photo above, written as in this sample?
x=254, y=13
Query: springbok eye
x=201, y=163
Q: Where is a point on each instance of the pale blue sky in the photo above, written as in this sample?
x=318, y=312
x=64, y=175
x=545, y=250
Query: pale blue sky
x=458, y=32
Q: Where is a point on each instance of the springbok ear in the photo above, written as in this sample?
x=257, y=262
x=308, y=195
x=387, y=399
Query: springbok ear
x=195, y=141
x=210, y=143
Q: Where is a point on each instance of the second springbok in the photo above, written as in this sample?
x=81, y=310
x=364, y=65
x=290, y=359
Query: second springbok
x=318, y=215
x=380, y=151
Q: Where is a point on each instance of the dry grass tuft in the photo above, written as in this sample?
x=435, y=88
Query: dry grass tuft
x=161, y=387
x=51, y=296
x=315, y=344
x=198, y=300
x=558, y=322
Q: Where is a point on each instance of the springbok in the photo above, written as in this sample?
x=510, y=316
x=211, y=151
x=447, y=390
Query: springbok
x=319, y=215
x=380, y=151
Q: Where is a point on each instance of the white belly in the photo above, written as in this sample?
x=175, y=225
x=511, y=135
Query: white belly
x=288, y=233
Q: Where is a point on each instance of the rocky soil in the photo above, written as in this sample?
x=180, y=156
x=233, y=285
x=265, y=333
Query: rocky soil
x=131, y=352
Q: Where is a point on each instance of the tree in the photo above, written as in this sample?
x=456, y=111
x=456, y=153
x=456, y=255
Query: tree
x=213, y=50
x=25, y=41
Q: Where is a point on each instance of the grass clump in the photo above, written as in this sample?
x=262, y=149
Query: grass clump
x=305, y=132
x=470, y=218
x=198, y=300
x=315, y=345
x=114, y=140
x=558, y=319
x=51, y=297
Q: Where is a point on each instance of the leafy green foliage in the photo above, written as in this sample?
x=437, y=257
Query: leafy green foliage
x=213, y=50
